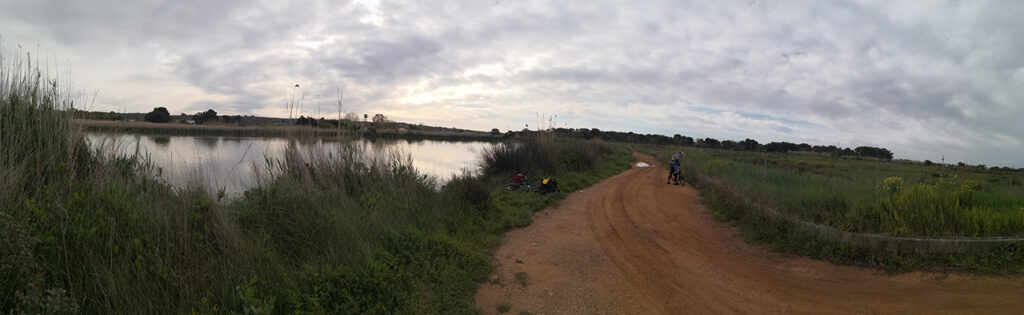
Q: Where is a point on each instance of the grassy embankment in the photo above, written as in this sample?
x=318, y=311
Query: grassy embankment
x=864, y=196
x=346, y=232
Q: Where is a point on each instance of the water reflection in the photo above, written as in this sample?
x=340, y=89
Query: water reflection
x=162, y=140
x=210, y=142
x=227, y=162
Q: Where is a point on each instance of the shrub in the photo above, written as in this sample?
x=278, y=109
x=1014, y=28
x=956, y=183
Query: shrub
x=521, y=278
x=473, y=190
x=503, y=307
x=158, y=115
x=542, y=153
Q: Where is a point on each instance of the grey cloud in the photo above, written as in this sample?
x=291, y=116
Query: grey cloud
x=922, y=77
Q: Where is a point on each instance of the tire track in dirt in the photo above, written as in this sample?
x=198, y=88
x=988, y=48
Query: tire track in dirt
x=632, y=244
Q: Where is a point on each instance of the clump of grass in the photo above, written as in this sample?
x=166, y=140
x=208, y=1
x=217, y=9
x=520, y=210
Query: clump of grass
x=542, y=153
x=504, y=307
x=468, y=188
x=40, y=145
x=521, y=278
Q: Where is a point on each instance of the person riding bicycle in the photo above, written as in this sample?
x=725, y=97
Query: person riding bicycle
x=673, y=169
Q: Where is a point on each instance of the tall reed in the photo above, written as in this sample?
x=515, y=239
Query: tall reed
x=38, y=143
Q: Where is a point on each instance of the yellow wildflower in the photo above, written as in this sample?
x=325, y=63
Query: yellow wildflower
x=891, y=184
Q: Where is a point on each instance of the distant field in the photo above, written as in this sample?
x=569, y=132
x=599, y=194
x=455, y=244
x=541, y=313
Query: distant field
x=891, y=197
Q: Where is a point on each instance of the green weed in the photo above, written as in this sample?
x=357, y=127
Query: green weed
x=503, y=307
x=521, y=278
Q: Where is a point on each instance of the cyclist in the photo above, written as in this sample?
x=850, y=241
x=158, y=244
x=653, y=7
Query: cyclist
x=673, y=168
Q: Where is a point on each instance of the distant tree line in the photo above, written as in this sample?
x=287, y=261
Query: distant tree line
x=712, y=143
x=203, y=117
x=97, y=115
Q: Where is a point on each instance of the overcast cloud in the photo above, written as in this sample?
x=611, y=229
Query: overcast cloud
x=925, y=79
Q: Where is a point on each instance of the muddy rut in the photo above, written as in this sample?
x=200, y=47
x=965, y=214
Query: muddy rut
x=633, y=245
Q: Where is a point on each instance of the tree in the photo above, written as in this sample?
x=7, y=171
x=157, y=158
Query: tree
x=114, y=116
x=365, y=116
x=782, y=147
x=687, y=141
x=351, y=116
x=708, y=143
x=750, y=145
x=880, y=153
x=158, y=115
x=495, y=131
x=202, y=117
x=380, y=118
x=730, y=145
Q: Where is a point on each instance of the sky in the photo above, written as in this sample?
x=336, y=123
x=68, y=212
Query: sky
x=938, y=80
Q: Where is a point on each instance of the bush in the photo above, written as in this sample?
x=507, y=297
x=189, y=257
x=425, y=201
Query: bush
x=504, y=307
x=542, y=153
x=469, y=189
x=158, y=115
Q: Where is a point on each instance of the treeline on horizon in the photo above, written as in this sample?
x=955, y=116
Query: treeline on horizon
x=712, y=143
x=350, y=121
x=749, y=145
x=162, y=115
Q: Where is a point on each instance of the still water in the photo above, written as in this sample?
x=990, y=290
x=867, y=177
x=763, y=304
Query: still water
x=227, y=162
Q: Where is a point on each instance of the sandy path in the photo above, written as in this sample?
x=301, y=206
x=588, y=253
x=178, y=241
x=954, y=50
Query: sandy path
x=633, y=245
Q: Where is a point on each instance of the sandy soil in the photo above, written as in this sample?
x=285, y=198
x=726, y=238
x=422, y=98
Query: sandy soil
x=633, y=245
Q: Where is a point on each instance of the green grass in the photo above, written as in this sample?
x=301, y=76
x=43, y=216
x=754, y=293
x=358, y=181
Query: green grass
x=503, y=307
x=852, y=195
x=786, y=237
x=344, y=232
x=521, y=278
x=897, y=198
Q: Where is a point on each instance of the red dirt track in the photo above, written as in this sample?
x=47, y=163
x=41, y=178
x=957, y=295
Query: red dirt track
x=633, y=245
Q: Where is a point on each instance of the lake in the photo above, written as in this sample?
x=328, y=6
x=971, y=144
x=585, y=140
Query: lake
x=227, y=162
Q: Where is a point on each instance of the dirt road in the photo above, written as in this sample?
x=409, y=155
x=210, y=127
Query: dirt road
x=633, y=245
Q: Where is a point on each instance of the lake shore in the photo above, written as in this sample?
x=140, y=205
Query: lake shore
x=357, y=129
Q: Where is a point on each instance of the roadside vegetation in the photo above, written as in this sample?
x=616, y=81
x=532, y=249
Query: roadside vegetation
x=900, y=198
x=344, y=231
x=905, y=199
